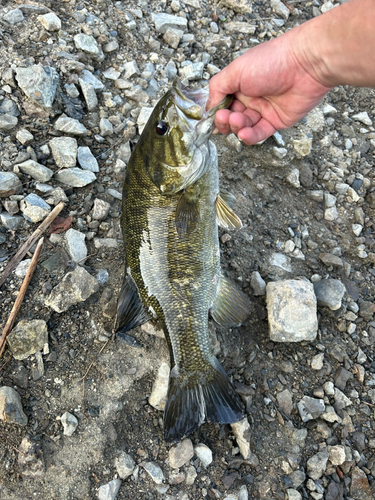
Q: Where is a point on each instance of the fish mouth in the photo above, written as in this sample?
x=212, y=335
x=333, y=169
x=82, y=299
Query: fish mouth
x=192, y=102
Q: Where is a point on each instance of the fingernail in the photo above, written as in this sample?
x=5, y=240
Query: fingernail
x=208, y=104
x=215, y=131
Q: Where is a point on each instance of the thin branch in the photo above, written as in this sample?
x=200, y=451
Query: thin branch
x=20, y=296
x=29, y=243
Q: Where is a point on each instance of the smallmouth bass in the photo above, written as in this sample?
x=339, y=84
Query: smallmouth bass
x=171, y=209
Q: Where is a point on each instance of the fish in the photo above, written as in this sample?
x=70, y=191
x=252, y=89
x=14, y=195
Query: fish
x=171, y=208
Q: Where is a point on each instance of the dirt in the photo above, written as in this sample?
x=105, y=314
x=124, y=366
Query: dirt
x=106, y=384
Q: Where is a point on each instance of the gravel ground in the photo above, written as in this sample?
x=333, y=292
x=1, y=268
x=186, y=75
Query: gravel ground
x=78, y=80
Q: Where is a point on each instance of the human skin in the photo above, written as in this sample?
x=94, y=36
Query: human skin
x=277, y=83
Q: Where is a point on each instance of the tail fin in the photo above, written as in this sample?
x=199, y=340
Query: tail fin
x=195, y=397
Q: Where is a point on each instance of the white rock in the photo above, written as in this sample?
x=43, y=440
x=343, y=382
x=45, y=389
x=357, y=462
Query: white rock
x=363, y=117
x=69, y=422
x=204, y=454
x=50, y=21
x=292, y=311
x=109, y=491
x=160, y=388
x=280, y=8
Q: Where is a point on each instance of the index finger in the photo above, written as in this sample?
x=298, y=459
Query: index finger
x=222, y=84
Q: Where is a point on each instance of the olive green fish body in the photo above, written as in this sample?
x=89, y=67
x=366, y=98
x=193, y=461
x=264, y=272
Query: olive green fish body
x=170, y=205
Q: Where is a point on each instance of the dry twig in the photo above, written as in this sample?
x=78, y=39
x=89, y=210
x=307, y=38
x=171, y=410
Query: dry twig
x=29, y=243
x=21, y=294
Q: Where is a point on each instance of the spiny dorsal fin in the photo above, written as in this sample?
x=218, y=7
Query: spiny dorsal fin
x=225, y=216
x=130, y=309
x=230, y=307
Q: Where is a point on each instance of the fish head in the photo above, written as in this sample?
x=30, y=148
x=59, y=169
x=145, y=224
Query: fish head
x=178, y=133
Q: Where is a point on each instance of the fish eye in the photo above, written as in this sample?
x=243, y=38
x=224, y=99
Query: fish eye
x=161, y=128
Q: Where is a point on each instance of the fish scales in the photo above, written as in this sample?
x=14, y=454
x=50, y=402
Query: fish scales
x=173, y=259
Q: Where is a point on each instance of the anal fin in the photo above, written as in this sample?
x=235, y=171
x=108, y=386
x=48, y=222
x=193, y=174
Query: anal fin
x=230, y=307
x=130, y=309
x=225, y=216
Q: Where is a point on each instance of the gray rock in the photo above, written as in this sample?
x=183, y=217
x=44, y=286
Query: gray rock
x=116, y=194
x=75, y=177
x=86, y=43
x=76, y=286
x=88, y=77
x=293, y=494
x=89, y=93
x=9, y=184
x=30, y=459
x=292, y=314
x=142, y=120
x=106, y=127
x=69, y=422
x=257, y=283
x=130, y=69
x=64, y=151
x=341, y=401
x=279, y=152
x=239, y=27
x=317, y=361
x=154, y=472
x=242, y=433
x=316, y=465
x=101, y=209
x=181, y=453
x=14, y=16
x=24, y=136
x=359, y=487
x=111, y=73
x=7, y=122
x=280, y=8
x=239, y=6
x=159, y=391
x=204, y=454
x=39, y=83
x=36, y=170
x=297, y=477
x=137, y=94
x=56, y=195
x=331, y=260
x=293, y=178
x=171, y=70
x=109, y=491
x=285, y=401
x=76, y=245
x=86, y=159
x=329, y=293
x=111, y=46
x=193, y=71
x=367, y=310
x=173, y=37
x=234, y=142
x=70, y=126
x=280, y=261
x=34, y=208
x=331, y=214
x=11, y=222
x=27, y=338
x=11, y=207
x=11, y=410
x=105, y=243
x=164, y=21
x=50, y=21
x=125, y=465
x=310, y=408
x=341, y=377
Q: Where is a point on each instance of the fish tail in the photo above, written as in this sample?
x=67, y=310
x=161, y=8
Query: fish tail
x=197, y=397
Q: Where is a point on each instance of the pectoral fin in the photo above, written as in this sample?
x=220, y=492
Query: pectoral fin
x=187, y=212
x=130, y=309
x=225, y=216
x=228, y=198
x=230, y=307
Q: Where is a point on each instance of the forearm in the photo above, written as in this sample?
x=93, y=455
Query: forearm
x=338, y=48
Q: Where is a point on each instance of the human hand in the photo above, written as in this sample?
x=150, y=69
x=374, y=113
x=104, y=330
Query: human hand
x=274, y=86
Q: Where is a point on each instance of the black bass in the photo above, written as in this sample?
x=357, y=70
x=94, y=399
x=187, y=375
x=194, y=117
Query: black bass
x=171, y=208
